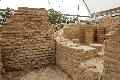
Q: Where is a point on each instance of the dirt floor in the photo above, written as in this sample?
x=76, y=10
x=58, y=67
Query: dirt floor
x=47, y=73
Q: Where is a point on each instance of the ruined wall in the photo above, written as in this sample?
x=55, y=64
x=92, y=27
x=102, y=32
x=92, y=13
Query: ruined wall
x=109, y=21
x=112, y=54
x=1, y=63
x=104, y=27
x=72, y=32
x=57, y=27
x=27, y=40
x=89, y=33
x=100, y=34
x=84, y=33
x=77, y=60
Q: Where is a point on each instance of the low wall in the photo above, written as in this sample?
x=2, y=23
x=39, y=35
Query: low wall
x=57, y=27
x=90, y=31
x=27, y=40
x=105, y=25
x=80, y=62
x=112, y=54
x=100, y=34
x=84, y=33
x=1, y=65
x=74, y=31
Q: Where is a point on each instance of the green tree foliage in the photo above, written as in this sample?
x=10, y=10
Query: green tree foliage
x=89, y=21
x=5, y=14
x=55, y=16
x=64, y=19
x=73, y=19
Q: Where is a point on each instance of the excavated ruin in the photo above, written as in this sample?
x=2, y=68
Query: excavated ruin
x=32, y=49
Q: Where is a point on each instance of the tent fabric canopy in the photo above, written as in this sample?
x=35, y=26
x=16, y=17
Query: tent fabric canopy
x=101, y=5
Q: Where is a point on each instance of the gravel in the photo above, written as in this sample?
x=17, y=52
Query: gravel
x=46, y=73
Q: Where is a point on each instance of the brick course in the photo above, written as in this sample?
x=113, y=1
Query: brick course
x=27, y=40
x=73, y=58
x=112, y=54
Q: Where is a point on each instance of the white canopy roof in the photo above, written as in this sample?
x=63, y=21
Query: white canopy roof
x=65, y=6
x=101, y=5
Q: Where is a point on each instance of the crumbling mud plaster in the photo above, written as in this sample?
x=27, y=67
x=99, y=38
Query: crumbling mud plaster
x=26, y=40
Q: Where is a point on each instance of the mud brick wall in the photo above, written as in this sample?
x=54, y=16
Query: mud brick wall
x=109, y=21
x=1, y=65
x=112, y=55
x=100, y=34
x=71, y=58
x=74, y=31
x=89, y=33
x=84, y=33
x=105, y=25
x=99, y=47
x=57, y=26
x=27, y=40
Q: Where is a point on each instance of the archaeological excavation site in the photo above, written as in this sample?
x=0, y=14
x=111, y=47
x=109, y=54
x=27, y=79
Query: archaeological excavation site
x=33, y=48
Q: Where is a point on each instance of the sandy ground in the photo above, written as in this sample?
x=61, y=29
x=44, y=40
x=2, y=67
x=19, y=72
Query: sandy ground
x=48, y=73
x=94, y=64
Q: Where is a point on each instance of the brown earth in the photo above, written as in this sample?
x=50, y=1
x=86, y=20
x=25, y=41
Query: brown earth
x=46, y=73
